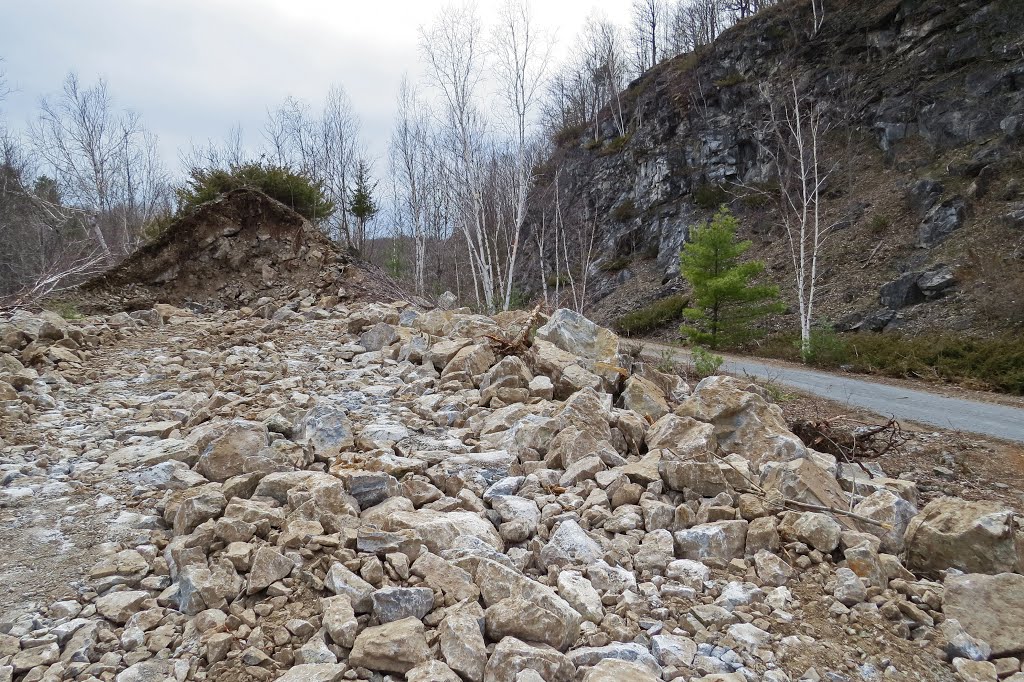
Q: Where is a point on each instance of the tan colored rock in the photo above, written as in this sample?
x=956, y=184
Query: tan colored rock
x=120, y=606
x=512, y=656
x=577, y=335
x=439, y=531
x=972, y=536
x=231, y=444
x=989, y=607
x=396, y=647
x=644, y=398
x=268, y=566
x=474, y=360
x=432, y=671
x=613, y=670
x=339, y=619
x=462, y=645
x=684, y=436
x=745, y=423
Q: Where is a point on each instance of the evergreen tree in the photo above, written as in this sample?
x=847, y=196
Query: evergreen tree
x=724, y=303
x=362, y=205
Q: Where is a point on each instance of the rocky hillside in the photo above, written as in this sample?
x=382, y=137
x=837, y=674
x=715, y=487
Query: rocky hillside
x=926, y=105
x=368, y=492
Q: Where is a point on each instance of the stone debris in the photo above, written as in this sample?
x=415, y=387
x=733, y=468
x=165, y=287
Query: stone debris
x=371, y=492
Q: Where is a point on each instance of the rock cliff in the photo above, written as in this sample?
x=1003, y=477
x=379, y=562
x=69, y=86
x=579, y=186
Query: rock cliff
x=925, y=101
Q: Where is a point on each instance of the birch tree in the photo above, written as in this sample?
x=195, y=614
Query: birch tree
x=409, y=168
x=522, y=54
x=453, y=52
x=792, y=138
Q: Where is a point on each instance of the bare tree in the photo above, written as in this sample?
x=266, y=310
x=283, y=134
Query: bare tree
x=453, y=52
x=521, y=54
x=409, y=169
x=818, y=11
x=607, y=65
x=647, y=19
x=95, y=156
x=326, y=147
x=793, y=137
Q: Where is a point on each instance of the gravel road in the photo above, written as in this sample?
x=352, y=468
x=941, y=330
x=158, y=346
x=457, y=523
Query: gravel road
x=998, y=421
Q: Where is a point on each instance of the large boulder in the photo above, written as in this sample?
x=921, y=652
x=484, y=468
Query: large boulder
x=520, y=607
x=685, y=436
x=644, y=398
x=725, y=540
x=227, y=448
x=327, y=430
x=396, y=647
x=941, y=221
x=439, y=531
x=575, y=334
x=570, y=544
x=974, y=537
x=990, y=608
x=462, y=644
x=512, y=656
x=745, y=423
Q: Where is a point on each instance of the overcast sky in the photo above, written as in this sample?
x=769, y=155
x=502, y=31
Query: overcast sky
x=195, y=68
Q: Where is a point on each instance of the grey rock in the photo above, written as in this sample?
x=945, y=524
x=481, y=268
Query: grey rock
x=570, y=544
x=396, y=603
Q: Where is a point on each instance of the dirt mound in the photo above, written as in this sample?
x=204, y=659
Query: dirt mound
x=233, y=251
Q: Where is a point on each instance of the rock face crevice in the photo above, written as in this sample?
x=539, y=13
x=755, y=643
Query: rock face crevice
x=372, y=492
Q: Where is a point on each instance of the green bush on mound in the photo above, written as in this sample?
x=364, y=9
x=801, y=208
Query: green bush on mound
x=293, y=189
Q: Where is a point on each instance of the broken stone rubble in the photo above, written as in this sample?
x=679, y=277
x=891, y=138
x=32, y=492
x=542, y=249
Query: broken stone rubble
x=371, y=492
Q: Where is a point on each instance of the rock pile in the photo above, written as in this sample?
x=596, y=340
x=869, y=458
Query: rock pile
x=371, y=492
x=242, y=249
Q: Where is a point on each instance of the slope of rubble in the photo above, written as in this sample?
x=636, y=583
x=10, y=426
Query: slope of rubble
x=369, y=492
x=242, y=249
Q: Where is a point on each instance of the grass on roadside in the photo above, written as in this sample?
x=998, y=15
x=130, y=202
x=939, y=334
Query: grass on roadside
x=980, y=363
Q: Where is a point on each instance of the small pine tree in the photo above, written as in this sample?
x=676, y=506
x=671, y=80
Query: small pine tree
x=724, y=303
x=362, y=205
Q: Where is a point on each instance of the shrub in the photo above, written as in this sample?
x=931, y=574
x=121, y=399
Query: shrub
x=666, y=363
x=734, y=78
x=560, y=280
x=705, y=363
x=616, y=264
x=569, y=134
x=825, y=348
x=624, y=212
x=653, y=316
x=66, y=309
x=156, y=226
x=879, y=224
x=710, y=196
x=295, y=190
x=616, y=145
